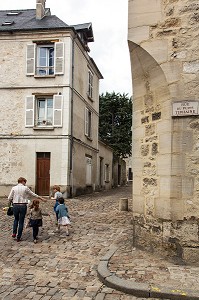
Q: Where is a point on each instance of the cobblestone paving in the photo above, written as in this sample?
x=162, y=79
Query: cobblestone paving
x=60, y=267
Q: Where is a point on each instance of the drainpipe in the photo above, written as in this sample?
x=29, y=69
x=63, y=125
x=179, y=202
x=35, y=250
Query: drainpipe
x=71, y=136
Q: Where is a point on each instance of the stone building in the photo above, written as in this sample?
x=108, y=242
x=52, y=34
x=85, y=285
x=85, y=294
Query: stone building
x=164, y=46
x=49, y=94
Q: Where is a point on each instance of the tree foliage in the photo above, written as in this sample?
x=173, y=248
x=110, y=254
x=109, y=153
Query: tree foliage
x=115, y=121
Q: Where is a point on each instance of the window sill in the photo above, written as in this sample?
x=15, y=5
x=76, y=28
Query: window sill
x=91, y=99
x=43, y=128
x=89, y=138
x=44, y=76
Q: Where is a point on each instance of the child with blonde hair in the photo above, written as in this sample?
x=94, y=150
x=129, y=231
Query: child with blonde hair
x=57, y=195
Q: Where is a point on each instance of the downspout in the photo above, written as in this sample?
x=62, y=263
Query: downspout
x=71, y=136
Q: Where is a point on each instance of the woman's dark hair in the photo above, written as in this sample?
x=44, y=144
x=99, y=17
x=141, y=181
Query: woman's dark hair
x=22, y=179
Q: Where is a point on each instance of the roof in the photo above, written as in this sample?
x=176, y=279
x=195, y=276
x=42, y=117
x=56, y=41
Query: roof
x=87, y=29
x=25, y=19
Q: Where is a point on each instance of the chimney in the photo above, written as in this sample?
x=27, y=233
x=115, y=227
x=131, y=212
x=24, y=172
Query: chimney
x=40, y=9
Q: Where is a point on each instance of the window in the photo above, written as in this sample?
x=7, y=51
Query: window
x=44, y=111
x=106, y=173
x=45, y=59
x=90, y=84
x=88, y=120
x=88, y=170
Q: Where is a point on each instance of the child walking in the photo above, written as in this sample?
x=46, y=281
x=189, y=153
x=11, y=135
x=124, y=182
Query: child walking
x=57, y=195
x=63, y=216
x=35, y=218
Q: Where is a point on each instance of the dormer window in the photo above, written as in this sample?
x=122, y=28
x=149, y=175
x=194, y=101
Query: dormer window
x=13, y=13
x=7, y=23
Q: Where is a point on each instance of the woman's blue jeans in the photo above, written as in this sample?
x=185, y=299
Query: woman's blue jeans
x=19, y=212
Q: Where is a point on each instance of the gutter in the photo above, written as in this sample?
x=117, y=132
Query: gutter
x=71, y=136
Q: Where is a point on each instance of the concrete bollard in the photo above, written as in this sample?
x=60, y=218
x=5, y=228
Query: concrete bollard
x=123, y=204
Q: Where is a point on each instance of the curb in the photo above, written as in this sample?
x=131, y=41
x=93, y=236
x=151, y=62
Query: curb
x=139, y=289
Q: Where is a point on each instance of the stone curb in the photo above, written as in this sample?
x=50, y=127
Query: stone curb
x=138, y=289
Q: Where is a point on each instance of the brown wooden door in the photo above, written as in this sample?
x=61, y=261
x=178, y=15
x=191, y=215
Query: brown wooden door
x=43, y=174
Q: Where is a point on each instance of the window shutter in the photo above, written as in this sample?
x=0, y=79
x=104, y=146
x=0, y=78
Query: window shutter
x=59, y=58
x=29, y=114
x=57, y=110
x=30, y=59
x=86, y=121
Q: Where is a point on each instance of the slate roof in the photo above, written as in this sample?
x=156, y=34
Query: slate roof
x=87, y=29
x=26, y=20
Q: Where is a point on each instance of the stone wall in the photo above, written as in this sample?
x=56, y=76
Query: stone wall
x=163, y=45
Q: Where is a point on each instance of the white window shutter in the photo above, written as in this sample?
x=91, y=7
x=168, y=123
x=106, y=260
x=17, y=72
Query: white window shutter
x=30, y=59
x=86, y=121
x=59, y=58
x=29, y=112
x=57, y=110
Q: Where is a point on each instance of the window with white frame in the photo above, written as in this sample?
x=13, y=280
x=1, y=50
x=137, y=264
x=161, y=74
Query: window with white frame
x=42, y=111
x=106, y=173
x=88, y=123
x=90, y=84
x=45, y=59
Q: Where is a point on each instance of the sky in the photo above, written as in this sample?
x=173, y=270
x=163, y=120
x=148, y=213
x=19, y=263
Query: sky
x=109, y=20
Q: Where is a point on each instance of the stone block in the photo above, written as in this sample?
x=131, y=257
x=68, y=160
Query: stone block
x=177, y=206
x=137, y=166
x=163, y=165
x=177, y=164
x=127, y=286
x=164, y=137
x=138, y=104
x=158, y=49
x=142, y=13
x=138, y=204
x=139, y=34
x=139, y=132
x=137, y=185
x=123, y=204
x=162, y=208
x=191, y=255
x=190, y=67
x=165, y=187
x=172, y=71
x=187, y=186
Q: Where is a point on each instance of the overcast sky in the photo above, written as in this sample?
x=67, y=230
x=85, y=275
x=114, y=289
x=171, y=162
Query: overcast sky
x=109, y=50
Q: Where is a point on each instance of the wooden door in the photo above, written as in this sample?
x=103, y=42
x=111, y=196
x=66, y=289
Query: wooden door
x=43, y=174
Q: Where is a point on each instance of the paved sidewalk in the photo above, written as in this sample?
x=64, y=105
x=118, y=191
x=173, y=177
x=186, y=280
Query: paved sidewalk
x=60, y=267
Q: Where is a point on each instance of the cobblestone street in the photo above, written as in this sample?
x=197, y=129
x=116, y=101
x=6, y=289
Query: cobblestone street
x=60, y=267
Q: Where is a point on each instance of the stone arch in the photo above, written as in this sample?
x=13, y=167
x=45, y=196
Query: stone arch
x=152, y=138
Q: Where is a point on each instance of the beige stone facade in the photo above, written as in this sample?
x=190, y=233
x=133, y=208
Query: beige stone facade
x=163, y=44
x=48, y=121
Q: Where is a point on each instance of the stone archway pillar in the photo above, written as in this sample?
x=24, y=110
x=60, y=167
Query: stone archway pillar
x=163, y=49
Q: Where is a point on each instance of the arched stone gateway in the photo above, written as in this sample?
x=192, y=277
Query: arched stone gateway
x=163, y=38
